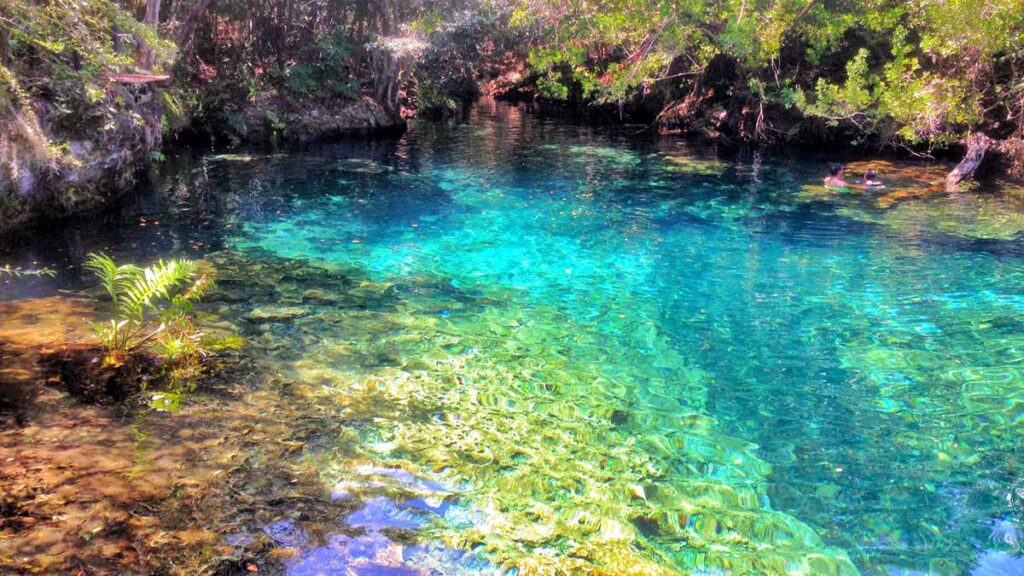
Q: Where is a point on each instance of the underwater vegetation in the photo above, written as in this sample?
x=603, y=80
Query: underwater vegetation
x=510, y=347
x=19, y=272
x=615, y=346
x=539, y=459
x=87, y=487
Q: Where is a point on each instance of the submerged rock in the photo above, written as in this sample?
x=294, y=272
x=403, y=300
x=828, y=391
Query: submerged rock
x=90, y=373
x=286, y=532
x=380, y=513
x=317, y=296
x=277, y=313
x=267, y=341
x=362, y=166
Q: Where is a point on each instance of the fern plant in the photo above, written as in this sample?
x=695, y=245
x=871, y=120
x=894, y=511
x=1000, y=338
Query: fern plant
x=155, y=307
x=7, y=270
x=163, y=292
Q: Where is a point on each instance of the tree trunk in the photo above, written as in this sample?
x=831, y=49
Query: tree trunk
x=5, y=46
x=145, y=56
x=115, y=31
x=386, y=69
x=190, y=23
x=977, y=145
x=152, y=17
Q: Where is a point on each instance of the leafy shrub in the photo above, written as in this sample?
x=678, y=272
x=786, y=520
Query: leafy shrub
x=430, y=99
x=154, y=308
x=893, y=73
x=165, y=291
x=323, y=70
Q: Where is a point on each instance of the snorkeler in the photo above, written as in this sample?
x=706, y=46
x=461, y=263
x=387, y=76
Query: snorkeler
x=871, y=180
x=835, y=177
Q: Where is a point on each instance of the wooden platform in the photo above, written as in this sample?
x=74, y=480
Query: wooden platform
x=126, y=78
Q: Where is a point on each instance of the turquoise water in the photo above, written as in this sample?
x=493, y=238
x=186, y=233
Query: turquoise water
x=579, y=351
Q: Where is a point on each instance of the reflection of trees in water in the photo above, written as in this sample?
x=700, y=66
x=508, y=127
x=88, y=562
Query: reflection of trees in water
x=801, y=315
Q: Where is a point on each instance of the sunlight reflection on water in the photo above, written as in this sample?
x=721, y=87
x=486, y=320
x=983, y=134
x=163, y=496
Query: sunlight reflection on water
x=570, y=348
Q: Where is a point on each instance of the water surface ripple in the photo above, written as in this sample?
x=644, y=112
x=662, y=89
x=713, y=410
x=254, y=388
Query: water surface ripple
x=567, y=350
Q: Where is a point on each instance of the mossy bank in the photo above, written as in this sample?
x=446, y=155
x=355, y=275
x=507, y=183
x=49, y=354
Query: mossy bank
x=49, y=172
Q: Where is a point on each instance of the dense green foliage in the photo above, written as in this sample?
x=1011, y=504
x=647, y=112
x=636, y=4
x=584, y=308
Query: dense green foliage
x=890, y=71
x=919, y=74
x=60, y=66
x=69, y=57
x=72, y=130
x=291, y=54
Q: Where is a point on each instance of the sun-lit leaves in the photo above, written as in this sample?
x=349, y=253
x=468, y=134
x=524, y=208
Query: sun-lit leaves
x=894, y=72
x=153, y=308
x=163, y=291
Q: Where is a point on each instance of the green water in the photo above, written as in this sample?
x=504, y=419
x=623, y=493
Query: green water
x=599, y=352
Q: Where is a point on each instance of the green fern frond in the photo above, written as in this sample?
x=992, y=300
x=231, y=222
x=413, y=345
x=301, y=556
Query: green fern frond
x=156, y=282
x=116, y=280
x=137, y=292
x=154, y=309
x=183, y=304
x=7, y=270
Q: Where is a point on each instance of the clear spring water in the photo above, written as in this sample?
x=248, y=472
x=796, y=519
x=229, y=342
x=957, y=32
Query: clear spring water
x=575, y=351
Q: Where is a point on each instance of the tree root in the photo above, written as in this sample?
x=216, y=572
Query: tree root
x=977, y=145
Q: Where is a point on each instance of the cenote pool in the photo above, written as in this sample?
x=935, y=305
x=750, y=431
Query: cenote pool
x=550, y=349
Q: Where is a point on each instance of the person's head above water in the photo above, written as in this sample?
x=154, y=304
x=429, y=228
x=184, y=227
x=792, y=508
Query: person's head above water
x=835, y=177
x=871, y=179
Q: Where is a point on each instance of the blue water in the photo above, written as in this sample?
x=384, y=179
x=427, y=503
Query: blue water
x=599, y=350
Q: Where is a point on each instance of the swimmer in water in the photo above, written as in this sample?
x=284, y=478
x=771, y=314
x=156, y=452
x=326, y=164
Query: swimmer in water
x=835, y=177
x=871, y=180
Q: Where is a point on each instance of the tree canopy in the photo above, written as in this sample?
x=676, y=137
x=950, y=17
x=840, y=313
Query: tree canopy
x=910, y=73
x=920, y=74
